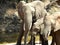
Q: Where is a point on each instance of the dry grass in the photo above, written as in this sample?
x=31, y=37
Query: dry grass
x=37, y=38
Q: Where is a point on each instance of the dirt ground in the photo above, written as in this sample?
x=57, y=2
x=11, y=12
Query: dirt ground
x=37, y=41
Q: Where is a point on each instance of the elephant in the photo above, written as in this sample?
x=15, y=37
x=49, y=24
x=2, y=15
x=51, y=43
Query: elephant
x=29, y=13
x=52, y=24
x=51, y=27
x=55, y=33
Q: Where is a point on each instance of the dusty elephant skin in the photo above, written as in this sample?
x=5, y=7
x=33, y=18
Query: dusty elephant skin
x=26, y=11
x=55, y=21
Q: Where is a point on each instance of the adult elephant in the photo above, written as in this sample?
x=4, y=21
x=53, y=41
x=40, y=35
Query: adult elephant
x=29, y=13
x=52, y=23
x=56, y=30
x=51, y=26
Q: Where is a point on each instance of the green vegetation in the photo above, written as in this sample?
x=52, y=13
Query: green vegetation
x=12, y=37
x=9, y=25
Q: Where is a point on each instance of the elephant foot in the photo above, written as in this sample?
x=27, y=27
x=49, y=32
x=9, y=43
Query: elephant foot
x=44, y=42
x=32, y=41
x=18, y=43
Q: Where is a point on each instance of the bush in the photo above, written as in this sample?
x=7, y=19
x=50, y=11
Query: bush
x=12, y=37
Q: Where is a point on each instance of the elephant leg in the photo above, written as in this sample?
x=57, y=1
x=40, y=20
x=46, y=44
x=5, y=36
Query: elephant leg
x=41, y=39
x=20, y=37
x=53, y=37
x=25, y=37
x=21, y=34
x=44, y=42
x=32, y=41
x=46, y=31
x=26, y=34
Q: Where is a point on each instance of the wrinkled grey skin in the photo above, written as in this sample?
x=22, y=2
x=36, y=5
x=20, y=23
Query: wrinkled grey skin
x=50, y=21
x=27, y=10
x=53, y=21
x=55, y=33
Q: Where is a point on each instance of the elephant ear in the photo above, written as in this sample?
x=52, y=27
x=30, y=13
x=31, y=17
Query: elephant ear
x=39, y=8
x=20, y=8
x=21, y=4
x=57, y=21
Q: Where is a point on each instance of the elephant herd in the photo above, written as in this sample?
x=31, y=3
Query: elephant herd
x=34, y=19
